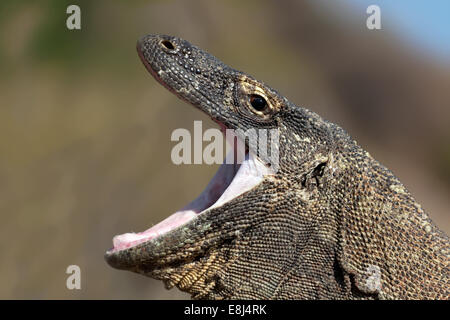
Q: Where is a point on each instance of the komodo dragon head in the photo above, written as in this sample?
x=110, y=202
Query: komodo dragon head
x=325, y=221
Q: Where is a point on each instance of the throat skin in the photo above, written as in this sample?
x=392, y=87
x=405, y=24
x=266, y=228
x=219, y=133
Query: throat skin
x=330, y=223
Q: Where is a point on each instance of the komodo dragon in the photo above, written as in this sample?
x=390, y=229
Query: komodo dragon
x=330, y=223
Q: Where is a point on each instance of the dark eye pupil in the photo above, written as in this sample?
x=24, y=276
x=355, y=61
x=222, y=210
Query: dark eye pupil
x=258, y=102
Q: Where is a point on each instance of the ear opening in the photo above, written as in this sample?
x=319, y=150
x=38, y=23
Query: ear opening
x=313, y=177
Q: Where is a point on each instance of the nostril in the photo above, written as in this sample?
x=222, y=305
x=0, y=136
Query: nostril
x=168, y=45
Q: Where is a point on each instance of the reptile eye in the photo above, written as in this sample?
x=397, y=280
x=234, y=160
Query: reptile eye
x=166, y=44
x=258, y=102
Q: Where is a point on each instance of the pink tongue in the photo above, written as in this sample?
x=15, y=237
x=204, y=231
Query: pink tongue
x=127, y=240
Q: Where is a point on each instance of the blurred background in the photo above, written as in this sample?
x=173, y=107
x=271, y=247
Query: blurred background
x=85, y=130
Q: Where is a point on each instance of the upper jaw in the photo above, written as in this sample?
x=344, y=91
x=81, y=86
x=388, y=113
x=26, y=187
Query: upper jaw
x=195, y=77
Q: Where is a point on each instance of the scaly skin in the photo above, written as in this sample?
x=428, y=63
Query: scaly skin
x=332, y=223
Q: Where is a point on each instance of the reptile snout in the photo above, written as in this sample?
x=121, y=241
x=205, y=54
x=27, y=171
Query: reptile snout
x=154, y=43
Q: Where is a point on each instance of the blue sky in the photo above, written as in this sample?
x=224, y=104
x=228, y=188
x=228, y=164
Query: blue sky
x=424, y=23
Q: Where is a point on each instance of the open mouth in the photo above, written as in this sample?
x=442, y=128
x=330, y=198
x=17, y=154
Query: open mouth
x=230, y=181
